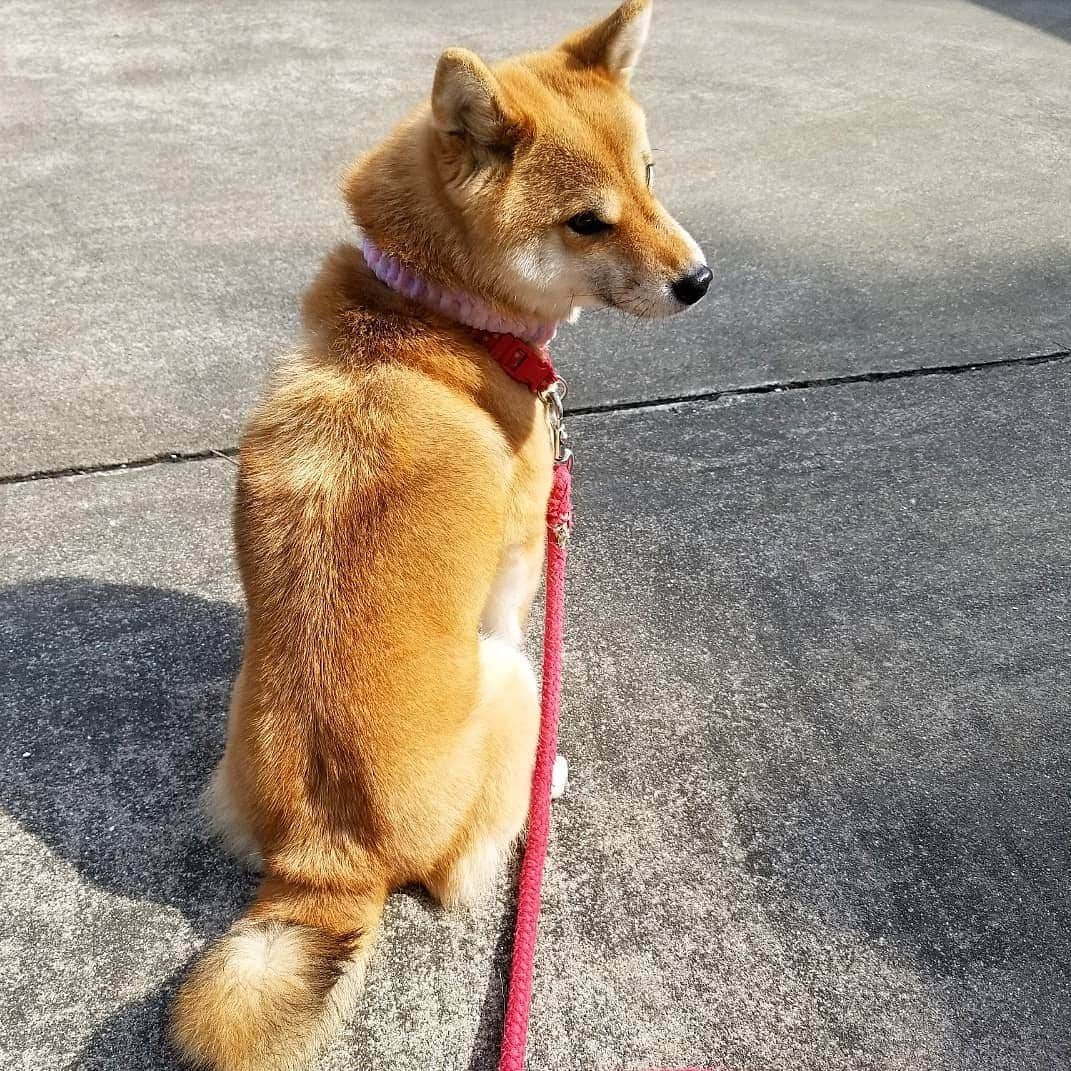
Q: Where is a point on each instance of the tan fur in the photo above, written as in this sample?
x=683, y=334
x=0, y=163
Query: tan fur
x=390, y=533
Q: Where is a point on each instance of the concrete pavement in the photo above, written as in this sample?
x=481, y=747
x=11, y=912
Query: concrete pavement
x=878, y=186
x=816, y=702
x=816, y=714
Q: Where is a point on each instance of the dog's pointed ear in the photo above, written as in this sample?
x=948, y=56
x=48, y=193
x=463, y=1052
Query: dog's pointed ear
x=615, y=43
x=466, y=100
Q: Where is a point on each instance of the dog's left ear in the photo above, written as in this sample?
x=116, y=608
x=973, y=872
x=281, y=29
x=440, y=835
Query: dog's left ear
x=466, y=100
x=615, y=43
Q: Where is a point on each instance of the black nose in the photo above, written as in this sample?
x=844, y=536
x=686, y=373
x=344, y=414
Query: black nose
x=688, y=289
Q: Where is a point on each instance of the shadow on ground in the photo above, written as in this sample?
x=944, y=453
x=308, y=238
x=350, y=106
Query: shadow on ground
x=114, y=699
x=872, y=600
x=115, y=696
x=1050, y=16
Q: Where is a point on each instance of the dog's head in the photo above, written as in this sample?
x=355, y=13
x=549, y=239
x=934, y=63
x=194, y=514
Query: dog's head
x=544, y=165
x=546, y=157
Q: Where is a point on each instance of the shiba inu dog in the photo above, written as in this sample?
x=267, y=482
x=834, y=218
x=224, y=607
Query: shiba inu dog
x=390, y=524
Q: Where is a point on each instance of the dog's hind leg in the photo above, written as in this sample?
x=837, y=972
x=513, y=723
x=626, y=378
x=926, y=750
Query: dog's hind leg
x=507, y=721
x=221, y=800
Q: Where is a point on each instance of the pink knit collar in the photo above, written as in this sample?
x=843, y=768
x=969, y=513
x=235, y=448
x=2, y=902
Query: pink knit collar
x=455, y=304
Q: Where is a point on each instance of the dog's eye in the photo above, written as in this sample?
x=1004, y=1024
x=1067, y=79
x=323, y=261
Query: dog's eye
x=588, y=223
x=649, y=175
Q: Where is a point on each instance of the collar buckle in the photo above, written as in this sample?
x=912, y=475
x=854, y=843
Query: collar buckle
x=553, y=399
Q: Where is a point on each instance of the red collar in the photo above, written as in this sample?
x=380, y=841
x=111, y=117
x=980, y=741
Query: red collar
x=520, y=360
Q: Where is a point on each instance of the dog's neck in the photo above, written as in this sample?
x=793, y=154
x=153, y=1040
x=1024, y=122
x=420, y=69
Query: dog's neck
x=456, y=305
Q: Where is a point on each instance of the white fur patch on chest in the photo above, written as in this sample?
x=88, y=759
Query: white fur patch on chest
x=517, y=578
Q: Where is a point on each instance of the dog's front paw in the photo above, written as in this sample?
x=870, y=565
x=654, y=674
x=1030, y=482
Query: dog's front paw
x=559, y=779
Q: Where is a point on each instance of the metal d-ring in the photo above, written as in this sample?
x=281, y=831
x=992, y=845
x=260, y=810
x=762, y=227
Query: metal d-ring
x=553, y=399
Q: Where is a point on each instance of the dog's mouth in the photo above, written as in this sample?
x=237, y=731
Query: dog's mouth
x=654, y=302
x=643, y=302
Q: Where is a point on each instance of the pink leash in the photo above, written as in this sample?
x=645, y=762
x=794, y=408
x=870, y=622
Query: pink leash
x=519, y=1002
x=530, y=365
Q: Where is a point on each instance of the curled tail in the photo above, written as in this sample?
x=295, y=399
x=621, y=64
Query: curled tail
x=279, y=983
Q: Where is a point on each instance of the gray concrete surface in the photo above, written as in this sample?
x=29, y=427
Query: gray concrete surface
x=818, y=652
x=878, y=185
x=816, y=712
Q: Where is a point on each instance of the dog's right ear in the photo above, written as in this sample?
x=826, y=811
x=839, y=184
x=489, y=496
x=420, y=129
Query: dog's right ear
x=466, y=101
x=615, y=43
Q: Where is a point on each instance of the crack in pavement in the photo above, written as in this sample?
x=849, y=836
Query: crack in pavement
x=778, y=387
x=229, y=453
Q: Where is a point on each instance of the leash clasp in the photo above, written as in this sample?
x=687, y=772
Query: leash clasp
x=553, y=399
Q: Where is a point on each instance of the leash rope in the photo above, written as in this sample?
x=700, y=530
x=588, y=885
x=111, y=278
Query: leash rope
x=530, y=884
x=531, y=365
x=516, y=344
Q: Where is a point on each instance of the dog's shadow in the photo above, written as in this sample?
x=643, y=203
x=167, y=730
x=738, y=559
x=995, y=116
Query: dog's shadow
x=114, y=703
x=114, y=699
